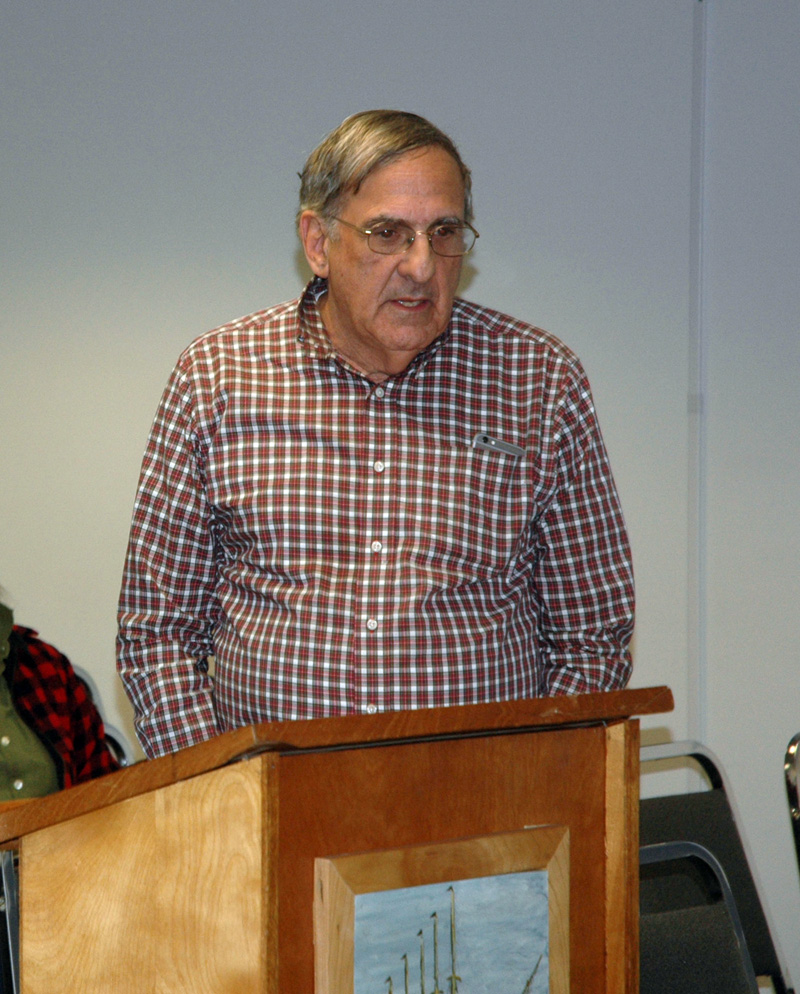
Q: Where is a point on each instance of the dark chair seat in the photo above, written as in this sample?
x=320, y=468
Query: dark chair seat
x=690, y=951
x=708, y=818
x=700, y=949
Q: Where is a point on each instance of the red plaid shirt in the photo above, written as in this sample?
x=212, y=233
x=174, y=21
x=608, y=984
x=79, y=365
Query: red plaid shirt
x=449, y=536
x=50, y=699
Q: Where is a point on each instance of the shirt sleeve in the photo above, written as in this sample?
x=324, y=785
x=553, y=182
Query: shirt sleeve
x=584, y=574
x=167, y=607
x=52, y=701
x=91, y=756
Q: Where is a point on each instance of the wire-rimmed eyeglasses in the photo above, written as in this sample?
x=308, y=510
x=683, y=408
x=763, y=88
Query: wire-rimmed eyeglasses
x=447, y=238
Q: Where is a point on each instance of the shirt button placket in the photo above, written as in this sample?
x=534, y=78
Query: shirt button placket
x=378, y=466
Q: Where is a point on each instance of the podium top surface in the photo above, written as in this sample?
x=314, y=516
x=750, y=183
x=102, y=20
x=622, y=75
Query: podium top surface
x=350, y=731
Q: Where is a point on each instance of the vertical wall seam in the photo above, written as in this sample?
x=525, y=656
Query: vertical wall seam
x=697, y=689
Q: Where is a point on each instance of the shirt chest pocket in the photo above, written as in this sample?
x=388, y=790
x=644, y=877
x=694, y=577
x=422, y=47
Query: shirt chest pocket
x=471, y=508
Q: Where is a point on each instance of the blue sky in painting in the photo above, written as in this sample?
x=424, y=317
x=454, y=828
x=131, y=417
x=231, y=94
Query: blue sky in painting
x=501, y=927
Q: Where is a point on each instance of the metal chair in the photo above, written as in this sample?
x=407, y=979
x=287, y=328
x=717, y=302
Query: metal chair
x=706, y=817
x=700, y=949
x=790, y=775
x=9, y=923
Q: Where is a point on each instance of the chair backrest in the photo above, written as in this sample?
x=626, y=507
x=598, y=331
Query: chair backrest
x=706, y=817
x=790, y=776
x=699, y=949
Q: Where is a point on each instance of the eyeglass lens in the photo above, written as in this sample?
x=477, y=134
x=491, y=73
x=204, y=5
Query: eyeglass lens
x=445, y=239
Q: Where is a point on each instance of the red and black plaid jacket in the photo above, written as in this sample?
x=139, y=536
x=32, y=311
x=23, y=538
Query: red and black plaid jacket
x=52, y=701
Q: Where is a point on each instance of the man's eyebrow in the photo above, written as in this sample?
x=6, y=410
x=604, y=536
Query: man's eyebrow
x=388, y=219
x=449, y=219
x=383, y=219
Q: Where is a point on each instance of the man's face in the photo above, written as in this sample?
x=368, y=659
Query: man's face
x=382, y=310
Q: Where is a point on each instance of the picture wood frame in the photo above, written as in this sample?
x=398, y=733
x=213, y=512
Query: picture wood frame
x=498, y=862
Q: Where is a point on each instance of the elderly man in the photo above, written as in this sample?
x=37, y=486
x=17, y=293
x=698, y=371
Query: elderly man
x=377, y=496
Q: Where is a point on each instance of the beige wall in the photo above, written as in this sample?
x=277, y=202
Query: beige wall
x=149, y=192
x=752, y=480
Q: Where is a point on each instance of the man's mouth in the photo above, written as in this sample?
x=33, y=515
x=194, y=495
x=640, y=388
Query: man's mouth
x=410, y=303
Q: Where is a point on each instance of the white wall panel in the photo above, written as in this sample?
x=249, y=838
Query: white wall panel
x=752, y=324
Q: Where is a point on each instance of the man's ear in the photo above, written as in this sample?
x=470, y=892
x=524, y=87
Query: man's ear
x=314, y=238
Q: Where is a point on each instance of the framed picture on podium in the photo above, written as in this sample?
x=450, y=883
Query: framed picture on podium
x=484, y=913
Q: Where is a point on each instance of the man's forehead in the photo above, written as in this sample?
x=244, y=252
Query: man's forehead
x=427, y=179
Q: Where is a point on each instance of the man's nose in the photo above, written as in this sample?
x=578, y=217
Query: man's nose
x=419, y=260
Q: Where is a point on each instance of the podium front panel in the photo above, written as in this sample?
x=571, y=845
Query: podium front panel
x=351, y=801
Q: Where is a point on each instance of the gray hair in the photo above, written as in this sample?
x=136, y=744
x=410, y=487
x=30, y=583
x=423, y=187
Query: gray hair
x=362, y=142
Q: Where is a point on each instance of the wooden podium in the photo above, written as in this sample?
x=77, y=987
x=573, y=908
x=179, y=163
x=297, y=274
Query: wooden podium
x=195, y=873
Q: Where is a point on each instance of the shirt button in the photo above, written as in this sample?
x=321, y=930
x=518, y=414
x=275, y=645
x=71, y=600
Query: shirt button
x=378, y=466
x=372, y=624
x=376, y=546
x=5, y=741
x=371, y=709
x=380, y=392
x=18, y=785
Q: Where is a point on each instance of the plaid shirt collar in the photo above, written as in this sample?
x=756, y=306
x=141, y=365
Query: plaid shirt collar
x=316, y=344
